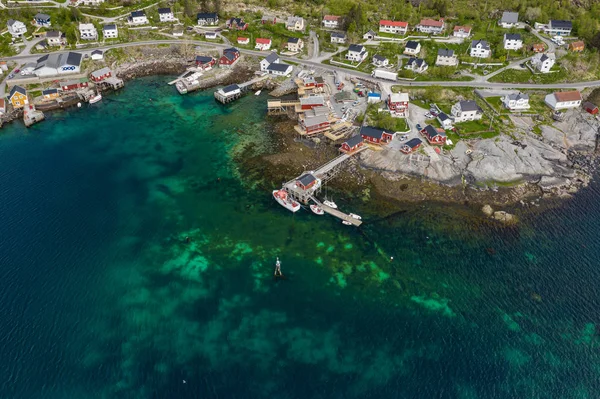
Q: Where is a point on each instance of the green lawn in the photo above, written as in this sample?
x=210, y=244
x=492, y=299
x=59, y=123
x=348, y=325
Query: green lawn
x=520, y=76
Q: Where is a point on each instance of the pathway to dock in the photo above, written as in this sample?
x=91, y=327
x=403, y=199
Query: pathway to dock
x=337, y=213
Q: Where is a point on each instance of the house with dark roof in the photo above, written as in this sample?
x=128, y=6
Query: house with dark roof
x=58, y=63
x=41, y=19
x=268, y=60
x=376, y=135
x=434, y=136
x=110, y=31
x=446, y=57
x=480, y=49
x=509, y=19
x=50, y=94
x=412, y=47
x=357, y=53
x=97, y=55
x=512, y=41
x=352, y=144
x=138, y=18
x=466, y=110
x=543, y=62
x=166, y=15
x=18, y=97
x=236, y=24
x=557, y=27
x=295, y=44
x=411, y=145
x=16, y=28
x=380, y=60
x=314, y=121
x=205, y=61
x=229, y=58
x=516, y=101
x=207, y=18
x=55, y=38
x=306, y=181
x=417, y=65
x=101, y=74
x=370, y=35
x=444, y=120
x=338, y=37
x=229, y=91
x=279, y=69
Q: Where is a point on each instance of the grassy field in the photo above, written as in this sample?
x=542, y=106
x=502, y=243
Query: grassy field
x=525, y=76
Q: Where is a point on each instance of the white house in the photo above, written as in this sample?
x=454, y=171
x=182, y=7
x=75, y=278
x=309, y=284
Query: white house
x=445, y=120
x=295, y=44
x=417, y=65
x=210, y=35
x=207, y=18
x=516, y=101
x=138, y=18
x=279, y=69
x=480, y=49
x=110, y=31
x=97, y=55
x=396, y=27
x=88, y=32
x=412, y=48
x=466, y=111
x=559, y=28
x=563, y=99
x=272, y=58
x=446, y=57
x=331, y=21
x=90, y=2
x=370, y=35
x=338, y=37
x=380, y=61
x=295, y=23
x=229, y=91
x=509, y=19
x=58, y=64
x=55, y=38
x=166, y=15
x=543, y=62
x=16, y=28
x=512, y=41
x=357, y=53
x=431, y=26
x=263, y=44
x=462, y=31
x=243, y=40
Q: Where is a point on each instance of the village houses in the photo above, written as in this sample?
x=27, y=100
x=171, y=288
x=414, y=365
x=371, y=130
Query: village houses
x=207, y=18
x=480, y=49
x=166, y=15
x=263, y=44
x=243, y=40
x=411, y=145
x=559, y=28
x=444, y=120
x=398, y=104
x=331, y=21
x=229, y=58
x=376, y=135
x=16, y=28
x=412, y=48
x=577, y=46
x=268, y=60
x=212, y=35
x=431, y=26
x=396, y=27
x=2, y=106
x=352, y=144
x=380, y=61
x=55, y=38
x=509, y=19
x=94, y=3
x=357, y=53
x=315, y=120
x=101, y=74
x=543, y=62
x=97, y=55
x=42, y=20
x=236, y=24
x=110, y=31
x=138, y=18
x=295, y=44
x=57, y=64
x=446, y=57
x=278, y=69
x=434, y=136
x=73, y=84
x=516, y=101
x=205, y=62
x=88, y=32
x=563, y=100
x=295, y=24
x=417, y=65
x=512, y=41
x=338, y=37
x=18, y=97
x=467, y=110
x=370, y=35
x=462, y=31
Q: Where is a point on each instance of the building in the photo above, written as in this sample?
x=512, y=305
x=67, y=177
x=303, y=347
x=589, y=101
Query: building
x=431, y=26
x=467, y=110
x=538, y=48
x=295, y=24
x=373, y=97
x=278, y=69
x=263, y=44
x=73, y=84
x=396, y=27
x=97, y=55
x=509, y=19
x=543, y=62
x=236, y=24
x=3, y=66
x=516, y=101
x=58, y=64
x=310, y=102
x=101, y=74
x=268, y=19
x=178, y=30
x=417, y=65
x=356, y=53
x=446, y=57
x=90, y=2
x=50, y=94
x=295, y=44
x=557, y=27
x=229, y=91
x=434, y=136
x=462, y=31
x=243, y=40
x=110, y=31
x=370, y=35
x=411, y=145
x=412, y=48
x=205, y=62
x=563, y=99
x=398, y=104
x=375, y=135
x=55, y=38
x=512, y=41
x=331, y=21
x=268, y=60
x=577, y=46
x=207, y=18
x=166, y=15
x=18, y=97
x=88, y=32
x=2, y=106
x=16, y=28
x=315, y=121
x=444, y=120
x=42, y=19
x=210, y=35
x=306, y=181
x=138, y=18
x=229, y=58
x=352, y=144
x=590, y=108
x=480, y=49
x=338, y=37
x=380, y=60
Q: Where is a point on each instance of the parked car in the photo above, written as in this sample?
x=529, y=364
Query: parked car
x=419, y=127
x=11, y=75
x=17, y=70
x=428, y=115
x=434, y=113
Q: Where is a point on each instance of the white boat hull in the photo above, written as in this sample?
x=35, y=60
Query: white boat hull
x=330, y=204
x=317, y=210
x=286, y=202
x=96, y=98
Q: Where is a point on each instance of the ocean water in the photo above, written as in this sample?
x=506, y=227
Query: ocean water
x=102, y=297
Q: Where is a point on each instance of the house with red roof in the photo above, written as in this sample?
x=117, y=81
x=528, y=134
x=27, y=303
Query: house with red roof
x=432, y=26
x=263, y=44
x=243, y=40
x=331, y=21
x=462, y=31
x=396, y=27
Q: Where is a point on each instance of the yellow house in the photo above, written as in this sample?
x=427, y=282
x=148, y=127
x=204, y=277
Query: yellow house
x=18, y=97
x=50, y=94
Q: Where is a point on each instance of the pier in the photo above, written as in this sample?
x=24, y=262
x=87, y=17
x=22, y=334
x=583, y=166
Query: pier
x=337, y=213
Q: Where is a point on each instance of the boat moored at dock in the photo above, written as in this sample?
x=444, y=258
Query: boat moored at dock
x=285, y=200
x=317, y=210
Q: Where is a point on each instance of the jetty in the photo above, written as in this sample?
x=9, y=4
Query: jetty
x=337, y=213
x=32, y=115
x=232, y=92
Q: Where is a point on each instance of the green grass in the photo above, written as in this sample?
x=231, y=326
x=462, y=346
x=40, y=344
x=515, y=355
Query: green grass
x=519, y=76
x=470, y=127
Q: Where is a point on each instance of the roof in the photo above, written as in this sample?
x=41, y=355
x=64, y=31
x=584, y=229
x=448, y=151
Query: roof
x=371, y=131
x=273, y=57
x=483, y=44
x=371, y=32
x=589, y=105
x=353, y=141
x=374, y=95
x=442, y=116
x=432, y=132
x=319, y=79
x=411, y=44
x=312, y=100
x=73, y=82
x=419, y=62
x=412, y=143
x=432, y=22
x=17, y=89
x=210, y=34
x=560, y=23
x=275, y=66
x=53, y=33
x=206, y=15
x=166, y=10
x=387, y=22
x=306, y=179
x=468, y=105
x=230, y=88
x=231, y=50
x=379, y=57
x=86, y=26
x=2, y=103
x=12, y=22
x=331, y=18
x=100, y=72
x=243, y=39
x=518, y=96
x=97, y=52
x=510, y=17
x=56, y=60
x=356, y=48
x=40, y=15
x=315, y=120
x=139, y=13
x=49, y=91
x=203, y=59
x=293, y=40
x=109, y=27
x=340, y=35
x=563, y=96
x=458, y=28
x=445, y=52
x=263, y=40
x=512, y=36
x=399, y=97
x=578, y=43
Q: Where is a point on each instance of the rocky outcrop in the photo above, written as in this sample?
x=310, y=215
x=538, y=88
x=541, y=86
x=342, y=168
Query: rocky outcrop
x=505, y=217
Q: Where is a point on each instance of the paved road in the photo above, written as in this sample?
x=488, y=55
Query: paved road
x=313, y=64
x=315, y=47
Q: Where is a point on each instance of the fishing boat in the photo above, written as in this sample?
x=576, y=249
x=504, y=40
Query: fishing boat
x=347, y=223
x=330, y=204
x=284, y=199
x=355, y=216
x=257, y=93
x=317, y=210
x=96, y=98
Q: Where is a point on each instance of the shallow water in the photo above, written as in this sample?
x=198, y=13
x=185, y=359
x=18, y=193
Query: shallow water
x=102, y=298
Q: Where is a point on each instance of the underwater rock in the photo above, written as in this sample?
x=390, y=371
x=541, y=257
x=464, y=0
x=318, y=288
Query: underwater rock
x=487, y=210
x=505, y=217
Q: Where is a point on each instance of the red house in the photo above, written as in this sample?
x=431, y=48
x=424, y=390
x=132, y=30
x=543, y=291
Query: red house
x=375, y=135
x=319, y=82
x=236, y=24
x=314, y=121
x=591, y=108
x=73, y=84
x=205, y=62
x=306, y=181
x=398, y=104
x=411, y=145
x=229, y=57
x=311, y=102
x=434, y=136
x=352, y=144
x=101, y=74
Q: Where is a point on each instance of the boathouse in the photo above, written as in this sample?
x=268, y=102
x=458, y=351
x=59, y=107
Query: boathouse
x=591, y=108
x=375, y=135
x=352, y=144
x=101, y=74
x=228, y=94
x=229, y=58
x=205, y=62
x=411, y=145
x=306, y=181
x=311, y=102
x=434, y=136
x=74, y=84
x=314, y=121
x=50, y=94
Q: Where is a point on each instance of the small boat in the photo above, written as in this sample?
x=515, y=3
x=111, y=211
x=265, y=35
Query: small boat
x=284, y=199
x=347, y=223
x=330, y=204
x=278, y=269
x=355, y=216
x=317, y=210
x=257, y=93
x=95, y=99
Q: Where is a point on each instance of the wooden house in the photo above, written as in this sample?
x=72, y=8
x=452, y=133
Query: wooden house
x=73, y=84
x=306, y=181
x=18, y=97
x=434, y=136
x=352, y=144
x=411, y=145
x=229, y=57
x=375, y=135
x=101, y=74
x=577, y=46
x=205, y=62
x=50, y=94
x=538, y=47
x=590, y=108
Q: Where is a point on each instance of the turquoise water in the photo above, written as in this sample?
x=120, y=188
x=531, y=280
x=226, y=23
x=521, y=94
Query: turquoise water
x=101, y=296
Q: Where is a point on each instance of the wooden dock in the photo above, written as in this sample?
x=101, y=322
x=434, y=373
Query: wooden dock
x=337, y=213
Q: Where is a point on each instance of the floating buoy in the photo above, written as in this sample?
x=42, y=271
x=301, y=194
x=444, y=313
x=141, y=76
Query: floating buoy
x=78, y=105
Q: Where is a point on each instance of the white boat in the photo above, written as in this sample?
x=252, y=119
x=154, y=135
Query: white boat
x=95, y=99
x=346, y=223
x=257, y=93
x=330, y=204
x=317, y=210
x=284, y=199
x=355, y=216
